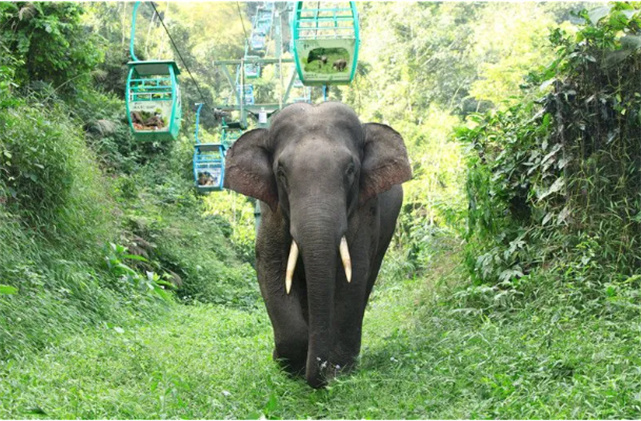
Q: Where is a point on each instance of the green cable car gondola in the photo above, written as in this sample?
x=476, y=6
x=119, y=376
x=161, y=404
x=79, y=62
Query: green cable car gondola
x=153, y=95
x=325, y=41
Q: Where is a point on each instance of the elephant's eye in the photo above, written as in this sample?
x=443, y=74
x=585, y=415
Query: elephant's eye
x=281, y=175
x=350, y=169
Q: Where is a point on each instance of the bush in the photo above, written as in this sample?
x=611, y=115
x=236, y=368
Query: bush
x=49, y=176
x=50, y=40
x=553, y=183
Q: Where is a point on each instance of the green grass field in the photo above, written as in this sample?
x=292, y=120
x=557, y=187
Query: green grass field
x=421, y=358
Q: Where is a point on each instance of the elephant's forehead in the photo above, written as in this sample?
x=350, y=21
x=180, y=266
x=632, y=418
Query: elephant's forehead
x=329, y=119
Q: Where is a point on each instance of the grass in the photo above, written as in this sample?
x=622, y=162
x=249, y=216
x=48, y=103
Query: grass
x=430, y=351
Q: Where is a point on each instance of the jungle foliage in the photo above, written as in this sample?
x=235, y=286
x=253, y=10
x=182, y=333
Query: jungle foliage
x=96, y=229
x=511, y=287
x=74, y=178
x=553, y=181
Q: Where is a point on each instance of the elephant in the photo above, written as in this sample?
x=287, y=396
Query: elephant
x=330, y=193
x=340, y=64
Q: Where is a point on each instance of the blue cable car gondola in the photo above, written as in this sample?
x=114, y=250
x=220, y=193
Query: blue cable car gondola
x=230, y=132
x=252, y=69
x=306, y=95
x=248, y=96
x=263, y=19
x=209, y=162
x=258, y=42
x=304, y=92
x=153, y=102
x=325, y=41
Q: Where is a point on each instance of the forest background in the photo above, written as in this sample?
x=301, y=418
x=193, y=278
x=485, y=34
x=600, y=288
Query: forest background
x=512, y=285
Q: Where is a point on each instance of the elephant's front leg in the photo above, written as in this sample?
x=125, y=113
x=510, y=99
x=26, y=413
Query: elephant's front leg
x=285, y=311
x=350, y=301
x=348, y=323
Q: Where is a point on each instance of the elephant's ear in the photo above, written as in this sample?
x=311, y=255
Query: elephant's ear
x=248, y=168
x=385, y=161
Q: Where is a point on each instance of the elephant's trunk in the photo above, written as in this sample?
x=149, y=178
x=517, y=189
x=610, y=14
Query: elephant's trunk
x=318, y=235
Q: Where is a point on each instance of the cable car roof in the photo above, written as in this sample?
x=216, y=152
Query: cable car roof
x=154, y=67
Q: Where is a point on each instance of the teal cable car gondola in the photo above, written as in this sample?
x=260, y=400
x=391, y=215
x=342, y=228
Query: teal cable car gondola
x=252, y=68
x=247, y=96
x=209, y=162
x=325, y=42
x=258, y=42
x=230, y=132
x=153, y=95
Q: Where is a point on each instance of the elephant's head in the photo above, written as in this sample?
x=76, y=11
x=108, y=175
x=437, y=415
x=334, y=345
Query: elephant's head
x=319, y=164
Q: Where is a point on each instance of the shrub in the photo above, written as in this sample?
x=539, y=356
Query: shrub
x=559, y=176
x=50, y=40
x=49, y=175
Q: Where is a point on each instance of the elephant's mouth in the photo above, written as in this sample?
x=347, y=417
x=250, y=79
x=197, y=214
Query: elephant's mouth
x=293, y=258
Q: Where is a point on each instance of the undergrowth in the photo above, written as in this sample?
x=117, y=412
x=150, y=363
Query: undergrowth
x=553, y=181
x=432, y=348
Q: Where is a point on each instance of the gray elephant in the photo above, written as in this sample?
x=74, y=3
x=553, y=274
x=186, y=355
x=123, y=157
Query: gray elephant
x=340, y=64
x=330, y=194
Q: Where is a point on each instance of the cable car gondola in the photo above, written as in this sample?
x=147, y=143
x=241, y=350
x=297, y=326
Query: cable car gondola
x=263, y=19
x=248, y=95
x=258, y=42
x=209, y=162
x=153, y=103
x=325, y=41
x=252, y=68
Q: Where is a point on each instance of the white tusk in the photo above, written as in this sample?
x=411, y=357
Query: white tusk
x=347, y=261
x=291, y=265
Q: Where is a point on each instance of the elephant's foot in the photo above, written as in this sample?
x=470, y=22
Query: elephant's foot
x=292, y=364
x=345, y=360
x=320, y=372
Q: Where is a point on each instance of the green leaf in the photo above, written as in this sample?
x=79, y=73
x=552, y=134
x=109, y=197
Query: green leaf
x=135, y=257
x=166, y=284
x=629, y=13
x=555, y=187
x=8, y=290
x=599, y=13
x=126, y=269
x=161, y=293
x=36, y=410
x=631, y=42
x=547, y=218
x=271, y=405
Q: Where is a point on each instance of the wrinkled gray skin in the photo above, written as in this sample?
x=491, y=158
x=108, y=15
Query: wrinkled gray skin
x=320, y=175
